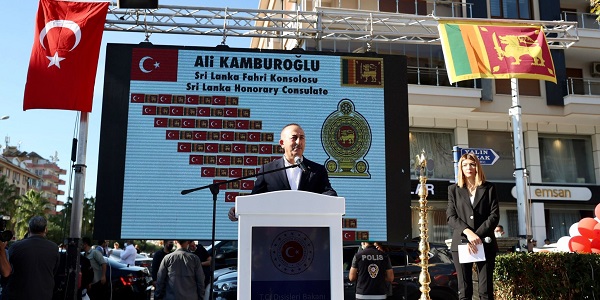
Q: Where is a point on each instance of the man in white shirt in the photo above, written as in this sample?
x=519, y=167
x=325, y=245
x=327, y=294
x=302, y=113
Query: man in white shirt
x=128, y=255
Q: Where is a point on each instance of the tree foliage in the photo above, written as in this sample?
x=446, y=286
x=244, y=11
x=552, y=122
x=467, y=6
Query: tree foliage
x=87, y=222
x=595, y=7
x=22, y=208
x=8, y=196
x=28, y=206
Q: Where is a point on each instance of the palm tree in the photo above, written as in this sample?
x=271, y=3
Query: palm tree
x=87, y=222
x=9, y=193
x=29, y=205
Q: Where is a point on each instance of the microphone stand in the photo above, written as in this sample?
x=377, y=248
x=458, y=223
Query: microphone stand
x=214, y=189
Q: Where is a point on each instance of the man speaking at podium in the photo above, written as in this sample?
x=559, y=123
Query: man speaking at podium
x=310, y=176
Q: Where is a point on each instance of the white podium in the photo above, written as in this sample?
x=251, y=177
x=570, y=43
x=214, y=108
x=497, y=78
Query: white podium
x=290, y=246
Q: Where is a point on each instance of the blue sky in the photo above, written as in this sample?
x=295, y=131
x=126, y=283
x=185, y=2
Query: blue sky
x=48, y=131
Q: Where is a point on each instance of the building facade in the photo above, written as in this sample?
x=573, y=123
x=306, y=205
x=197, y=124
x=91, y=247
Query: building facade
x=560, y=122
x=31, y=171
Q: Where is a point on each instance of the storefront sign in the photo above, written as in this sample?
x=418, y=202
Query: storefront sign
x=428, y=186
x=557, y=193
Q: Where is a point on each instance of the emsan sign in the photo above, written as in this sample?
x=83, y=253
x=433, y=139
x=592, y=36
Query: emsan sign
x=557, y=193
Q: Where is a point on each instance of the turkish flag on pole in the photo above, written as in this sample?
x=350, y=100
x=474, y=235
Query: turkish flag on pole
x=64, y=57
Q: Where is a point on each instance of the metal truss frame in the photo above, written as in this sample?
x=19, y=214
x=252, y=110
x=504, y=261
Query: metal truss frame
x=322, y=24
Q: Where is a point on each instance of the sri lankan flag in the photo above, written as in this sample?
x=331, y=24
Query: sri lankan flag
x=362, y=71
x=495, y=50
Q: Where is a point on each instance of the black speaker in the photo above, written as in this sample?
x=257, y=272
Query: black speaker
x=137, y=3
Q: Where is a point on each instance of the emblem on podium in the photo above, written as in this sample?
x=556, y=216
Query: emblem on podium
x=346, y=138
x=292, y=252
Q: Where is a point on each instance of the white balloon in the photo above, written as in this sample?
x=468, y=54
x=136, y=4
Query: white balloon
x=573, y=230
x=563, y=244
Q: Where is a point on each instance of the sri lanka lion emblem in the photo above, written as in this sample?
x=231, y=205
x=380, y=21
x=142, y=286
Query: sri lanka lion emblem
x=346, y=138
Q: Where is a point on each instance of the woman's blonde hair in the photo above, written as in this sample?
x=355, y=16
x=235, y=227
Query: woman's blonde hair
x=479, y=177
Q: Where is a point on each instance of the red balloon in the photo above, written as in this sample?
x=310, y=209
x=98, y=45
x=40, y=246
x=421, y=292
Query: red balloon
x=586, y=227
x=597, y=231
x=580, y=244
x=595, y=245
x=597, y=211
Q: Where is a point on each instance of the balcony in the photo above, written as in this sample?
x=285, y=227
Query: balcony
x=588, y=31
x=452, y=8
x=583, y=96
x=53, y=200
x=50, y=177
x=436, y=77
x=584, y=86
x=50, y=189
x=584, y=20
x=430, y=87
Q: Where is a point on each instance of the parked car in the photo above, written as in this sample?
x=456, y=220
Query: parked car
x=405, y=262
x=140, y=260
x=125, y=282
x=128, y=282
x=226, y=253
x=224, y=285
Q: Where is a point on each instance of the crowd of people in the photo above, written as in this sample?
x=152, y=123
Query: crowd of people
x=30, y=267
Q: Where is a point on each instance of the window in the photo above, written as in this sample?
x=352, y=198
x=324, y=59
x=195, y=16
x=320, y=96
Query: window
x=566, y=160
x=559, y=223
x=438, y=149
x=511, y=9
x=502, y=144
x=527, y=87
x=512, y=230
x=439, y=230
x=404, y=6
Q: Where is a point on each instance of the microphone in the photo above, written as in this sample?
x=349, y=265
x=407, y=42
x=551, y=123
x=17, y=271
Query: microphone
x=299, y=163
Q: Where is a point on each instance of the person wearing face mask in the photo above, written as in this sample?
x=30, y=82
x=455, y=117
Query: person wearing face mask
x=311, y=178
x=159, y=256
x=499, y=231
x=180, y=275
x=473, y=214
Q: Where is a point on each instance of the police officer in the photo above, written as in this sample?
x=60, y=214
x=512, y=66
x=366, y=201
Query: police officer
x=371, y=269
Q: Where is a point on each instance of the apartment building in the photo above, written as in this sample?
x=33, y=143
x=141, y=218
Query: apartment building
x=17, y=174
x=31, y=171
x=560, y=122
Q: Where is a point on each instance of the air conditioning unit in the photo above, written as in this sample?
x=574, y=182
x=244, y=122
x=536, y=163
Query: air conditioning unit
x=595, y=69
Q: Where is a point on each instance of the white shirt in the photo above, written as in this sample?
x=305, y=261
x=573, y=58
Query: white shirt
x=293, y=174
x=128, y=255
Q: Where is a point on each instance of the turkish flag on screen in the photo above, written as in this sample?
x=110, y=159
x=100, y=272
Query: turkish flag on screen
x=64, y=56
x=151, y=64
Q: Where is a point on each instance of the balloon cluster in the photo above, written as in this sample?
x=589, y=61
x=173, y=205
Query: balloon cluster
x=584, y=236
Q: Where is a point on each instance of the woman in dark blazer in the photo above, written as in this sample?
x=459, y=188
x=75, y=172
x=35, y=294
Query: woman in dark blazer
x=473, y=214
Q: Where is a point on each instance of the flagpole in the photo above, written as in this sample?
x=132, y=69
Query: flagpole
x=520, y=171
x=77, y=206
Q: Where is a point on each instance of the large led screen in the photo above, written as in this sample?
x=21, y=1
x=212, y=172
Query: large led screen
x=176, y=118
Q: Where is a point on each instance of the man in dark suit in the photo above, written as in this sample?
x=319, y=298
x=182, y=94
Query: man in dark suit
x=314, y=179
x=34, y=262
x=473, y=214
